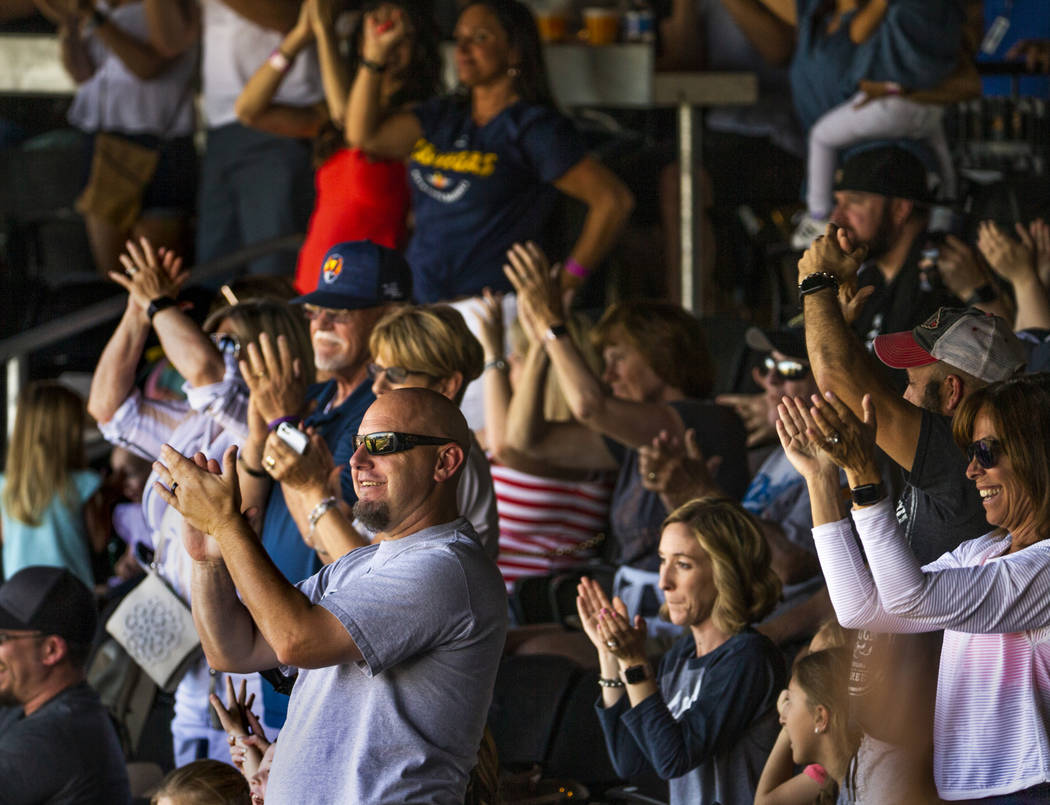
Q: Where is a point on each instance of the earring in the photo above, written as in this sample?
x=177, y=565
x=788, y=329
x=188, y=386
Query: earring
x=513, y=72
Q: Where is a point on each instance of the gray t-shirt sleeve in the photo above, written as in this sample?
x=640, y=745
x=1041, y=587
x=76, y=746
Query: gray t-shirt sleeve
x=381, y=611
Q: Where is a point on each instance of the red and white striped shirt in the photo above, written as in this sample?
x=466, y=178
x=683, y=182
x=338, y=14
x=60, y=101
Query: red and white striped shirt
x=545, y=524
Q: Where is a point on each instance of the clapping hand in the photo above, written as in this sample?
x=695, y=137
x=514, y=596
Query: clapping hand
x=206, y=499
x=536, y=284
x=313, y=468
x=489, y=317
x=275, y=379
x=847, y=440
x=676, y=467
x=801, y=441
x=149, y=274
x=384, y=30
x=1010, y=259
x=607, y=624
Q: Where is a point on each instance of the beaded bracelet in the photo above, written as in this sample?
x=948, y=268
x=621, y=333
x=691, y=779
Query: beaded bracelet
x=610, y=683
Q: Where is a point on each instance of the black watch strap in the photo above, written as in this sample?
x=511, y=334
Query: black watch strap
x=984, y=293
x=159, y=304
x=817, y=281
x=868, y=494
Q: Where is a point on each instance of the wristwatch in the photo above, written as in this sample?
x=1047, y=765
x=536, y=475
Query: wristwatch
x=982, y=294
x=555, y=331
x=159, y=304
x=817, y=281
x=636, y=674
x=867, y=494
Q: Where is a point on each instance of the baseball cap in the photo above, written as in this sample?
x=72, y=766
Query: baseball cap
x=789, y=341
x=886, y=171
x=50, y=600
x=359, y=274
x=967, y=338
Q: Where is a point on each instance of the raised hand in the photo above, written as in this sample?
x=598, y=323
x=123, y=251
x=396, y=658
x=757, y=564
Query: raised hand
x=274, y=378
x=489, y=317
x=315, y=468
x=676, y=468
x=847, y=440
x=149, y=274
x=957, y=264
x=536, y=284
x=590, y=601
x=1038, y=240
x=1009, y=258
x=383, y=31
x=801, y=440
x=832, y=253
x=753, y=410
x=207, y=500
x=624, y=641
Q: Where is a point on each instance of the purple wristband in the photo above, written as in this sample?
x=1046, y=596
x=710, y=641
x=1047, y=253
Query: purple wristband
x=576, y=269
x=277, y=422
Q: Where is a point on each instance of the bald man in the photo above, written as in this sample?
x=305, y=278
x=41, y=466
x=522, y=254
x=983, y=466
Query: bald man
x=396, y=644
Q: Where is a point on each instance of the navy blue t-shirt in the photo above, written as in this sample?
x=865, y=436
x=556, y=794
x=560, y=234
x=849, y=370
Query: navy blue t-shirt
x=476, y=190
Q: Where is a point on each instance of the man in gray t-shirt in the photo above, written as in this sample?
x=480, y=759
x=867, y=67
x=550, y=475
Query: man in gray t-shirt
x=396, y=644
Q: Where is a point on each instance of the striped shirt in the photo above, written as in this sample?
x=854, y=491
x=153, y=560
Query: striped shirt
x=993, y=686
x=547, y=525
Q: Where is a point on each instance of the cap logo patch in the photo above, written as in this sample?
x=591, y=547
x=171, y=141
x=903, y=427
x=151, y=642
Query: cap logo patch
x=933, y=322
x=332, y=268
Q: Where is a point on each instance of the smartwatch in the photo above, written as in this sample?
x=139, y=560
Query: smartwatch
x=636, y=674
x=818, y=281
x=867, y=494
x=159, y=304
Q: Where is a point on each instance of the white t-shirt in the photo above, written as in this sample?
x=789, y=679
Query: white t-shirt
x=234, y=48
x=115, y=99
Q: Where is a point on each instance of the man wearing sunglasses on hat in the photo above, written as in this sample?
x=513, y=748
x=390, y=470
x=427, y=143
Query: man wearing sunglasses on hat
x=947, y=357
x=396, y=643
x=57, y=743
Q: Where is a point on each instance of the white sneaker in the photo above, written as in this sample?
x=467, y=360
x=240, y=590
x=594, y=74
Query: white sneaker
x=808, y=230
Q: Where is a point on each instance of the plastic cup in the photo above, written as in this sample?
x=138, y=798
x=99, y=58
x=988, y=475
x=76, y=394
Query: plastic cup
x=602, y=25
x=552, y=24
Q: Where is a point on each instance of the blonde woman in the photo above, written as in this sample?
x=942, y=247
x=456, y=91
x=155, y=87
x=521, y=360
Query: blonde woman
x=706, y=719
x=52, y=511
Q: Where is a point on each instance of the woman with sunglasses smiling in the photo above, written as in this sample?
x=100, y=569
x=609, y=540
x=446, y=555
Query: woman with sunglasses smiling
x=991, y=595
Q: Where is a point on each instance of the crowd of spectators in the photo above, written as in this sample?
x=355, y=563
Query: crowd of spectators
x=828, y=586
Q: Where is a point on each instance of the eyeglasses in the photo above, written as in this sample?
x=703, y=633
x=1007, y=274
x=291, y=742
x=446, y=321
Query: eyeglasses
x=226, y=343
x=394, y=374
x=338, y=316
x=786, y=369
x=387, y=442
x=5, y=637
x=986, y=451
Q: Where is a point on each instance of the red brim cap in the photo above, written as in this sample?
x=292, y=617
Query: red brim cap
x=901, y=351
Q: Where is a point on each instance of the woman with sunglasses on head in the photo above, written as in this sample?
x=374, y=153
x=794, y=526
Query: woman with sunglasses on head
x=358, y=196
x=213, y=416
x=484, y=163
x=991, y=595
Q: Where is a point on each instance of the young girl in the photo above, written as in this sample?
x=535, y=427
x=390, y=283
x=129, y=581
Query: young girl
x=358, y=198
x=814, y=712
x=52, y=511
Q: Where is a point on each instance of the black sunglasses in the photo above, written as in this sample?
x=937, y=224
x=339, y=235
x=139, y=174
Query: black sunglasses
x=986, y=451
x=386, y=442
x=395, y=374
x=786, y=369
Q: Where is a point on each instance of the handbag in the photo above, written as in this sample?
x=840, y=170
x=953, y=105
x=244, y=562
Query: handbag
x=155, y=627
x=120, y=172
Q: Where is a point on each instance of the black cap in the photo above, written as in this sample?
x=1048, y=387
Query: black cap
x=788, y=341
x=886, y=170
x=50, y=600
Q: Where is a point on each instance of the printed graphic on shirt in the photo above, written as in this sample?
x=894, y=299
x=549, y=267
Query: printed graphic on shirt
x=433, y=168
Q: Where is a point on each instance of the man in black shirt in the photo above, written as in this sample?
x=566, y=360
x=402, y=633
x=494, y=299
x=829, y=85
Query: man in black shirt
x=57, y=744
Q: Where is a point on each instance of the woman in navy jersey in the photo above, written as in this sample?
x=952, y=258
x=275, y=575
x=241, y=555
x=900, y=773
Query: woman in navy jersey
x=484, y=164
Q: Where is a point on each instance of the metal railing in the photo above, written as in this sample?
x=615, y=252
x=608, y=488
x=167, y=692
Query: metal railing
x=15, y=351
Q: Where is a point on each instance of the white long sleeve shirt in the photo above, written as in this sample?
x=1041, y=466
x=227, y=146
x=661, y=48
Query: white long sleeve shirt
x=993, y=686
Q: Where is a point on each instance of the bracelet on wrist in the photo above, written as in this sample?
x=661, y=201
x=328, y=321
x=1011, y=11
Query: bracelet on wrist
x=817, y=281
x=372, y=66
x=254, y=473
x=610, y=683
x=577, y=270
x=496, y=363
x=290, y=418
x=319, y=511
x=279, y=61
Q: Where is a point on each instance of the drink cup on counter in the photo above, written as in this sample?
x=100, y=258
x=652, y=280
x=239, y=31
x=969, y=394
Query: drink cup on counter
x=602, y=25
x=552, y=23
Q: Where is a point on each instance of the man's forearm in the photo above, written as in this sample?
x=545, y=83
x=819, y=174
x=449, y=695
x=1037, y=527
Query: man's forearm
x=188, y=348
x=115, y=373
x=838, y=360
x=228, y=635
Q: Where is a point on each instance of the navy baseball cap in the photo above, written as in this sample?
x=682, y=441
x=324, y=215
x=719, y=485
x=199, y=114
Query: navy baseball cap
x=50, y=600
x=360, y=274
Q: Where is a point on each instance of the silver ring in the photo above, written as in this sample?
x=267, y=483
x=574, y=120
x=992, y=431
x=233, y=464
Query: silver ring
x=612, y=643
x=834, y=438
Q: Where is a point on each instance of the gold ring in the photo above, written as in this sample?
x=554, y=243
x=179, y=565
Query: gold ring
x=261, y=373
x=651, y=476
x=270, y=462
